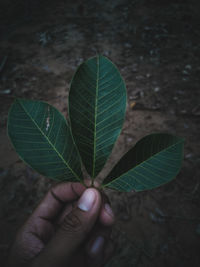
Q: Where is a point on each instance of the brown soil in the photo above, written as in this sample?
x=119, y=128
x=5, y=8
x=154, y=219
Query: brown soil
x=156, y=45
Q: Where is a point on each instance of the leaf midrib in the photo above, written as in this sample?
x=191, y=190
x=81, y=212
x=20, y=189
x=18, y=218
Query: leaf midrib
x=141, y=163
x=95, y=119
x=49, y=141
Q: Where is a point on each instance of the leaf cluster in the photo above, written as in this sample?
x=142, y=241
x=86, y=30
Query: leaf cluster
x=96, y=106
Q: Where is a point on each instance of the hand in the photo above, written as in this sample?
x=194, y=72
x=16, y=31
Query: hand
x=70, y=227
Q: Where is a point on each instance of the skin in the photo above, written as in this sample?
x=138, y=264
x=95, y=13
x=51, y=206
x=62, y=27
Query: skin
x=59, y=233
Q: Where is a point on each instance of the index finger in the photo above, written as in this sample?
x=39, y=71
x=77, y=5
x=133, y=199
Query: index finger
x=56, y=198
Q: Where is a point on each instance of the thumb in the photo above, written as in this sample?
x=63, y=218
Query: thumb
x=73, y=231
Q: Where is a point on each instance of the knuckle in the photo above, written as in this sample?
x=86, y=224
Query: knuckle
x=72, y=223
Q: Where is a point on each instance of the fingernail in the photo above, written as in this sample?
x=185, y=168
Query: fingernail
x=109, y=210
x=97, y=246
x=87, y=200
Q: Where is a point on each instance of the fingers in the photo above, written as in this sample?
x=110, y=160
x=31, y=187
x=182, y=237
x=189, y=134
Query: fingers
x=40, y=223
x=106, y=217
x=57, y=204
x=73, y=231
x=98, y=247
x=104, y=254
x=56, y=198
x=38, y=229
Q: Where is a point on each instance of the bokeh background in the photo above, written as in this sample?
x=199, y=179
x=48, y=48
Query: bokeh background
x=156, y=46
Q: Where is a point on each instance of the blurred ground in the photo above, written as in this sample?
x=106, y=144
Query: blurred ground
x=156, y=45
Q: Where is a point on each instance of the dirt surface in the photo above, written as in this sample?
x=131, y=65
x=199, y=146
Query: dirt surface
x=156, y=45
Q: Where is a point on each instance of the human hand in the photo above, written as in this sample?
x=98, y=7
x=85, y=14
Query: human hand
x=70, y=227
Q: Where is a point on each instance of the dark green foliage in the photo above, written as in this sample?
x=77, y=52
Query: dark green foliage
x=153, y=161
x=42, y=138
x=97, y=103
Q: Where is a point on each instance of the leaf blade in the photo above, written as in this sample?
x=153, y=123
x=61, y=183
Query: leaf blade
x=98, y=89
x=154, y=160
x=42, y=138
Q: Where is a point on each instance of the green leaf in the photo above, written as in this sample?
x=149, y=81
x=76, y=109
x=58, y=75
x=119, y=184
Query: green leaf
x=154, y=160
x=97, y=104
x=42, y=138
